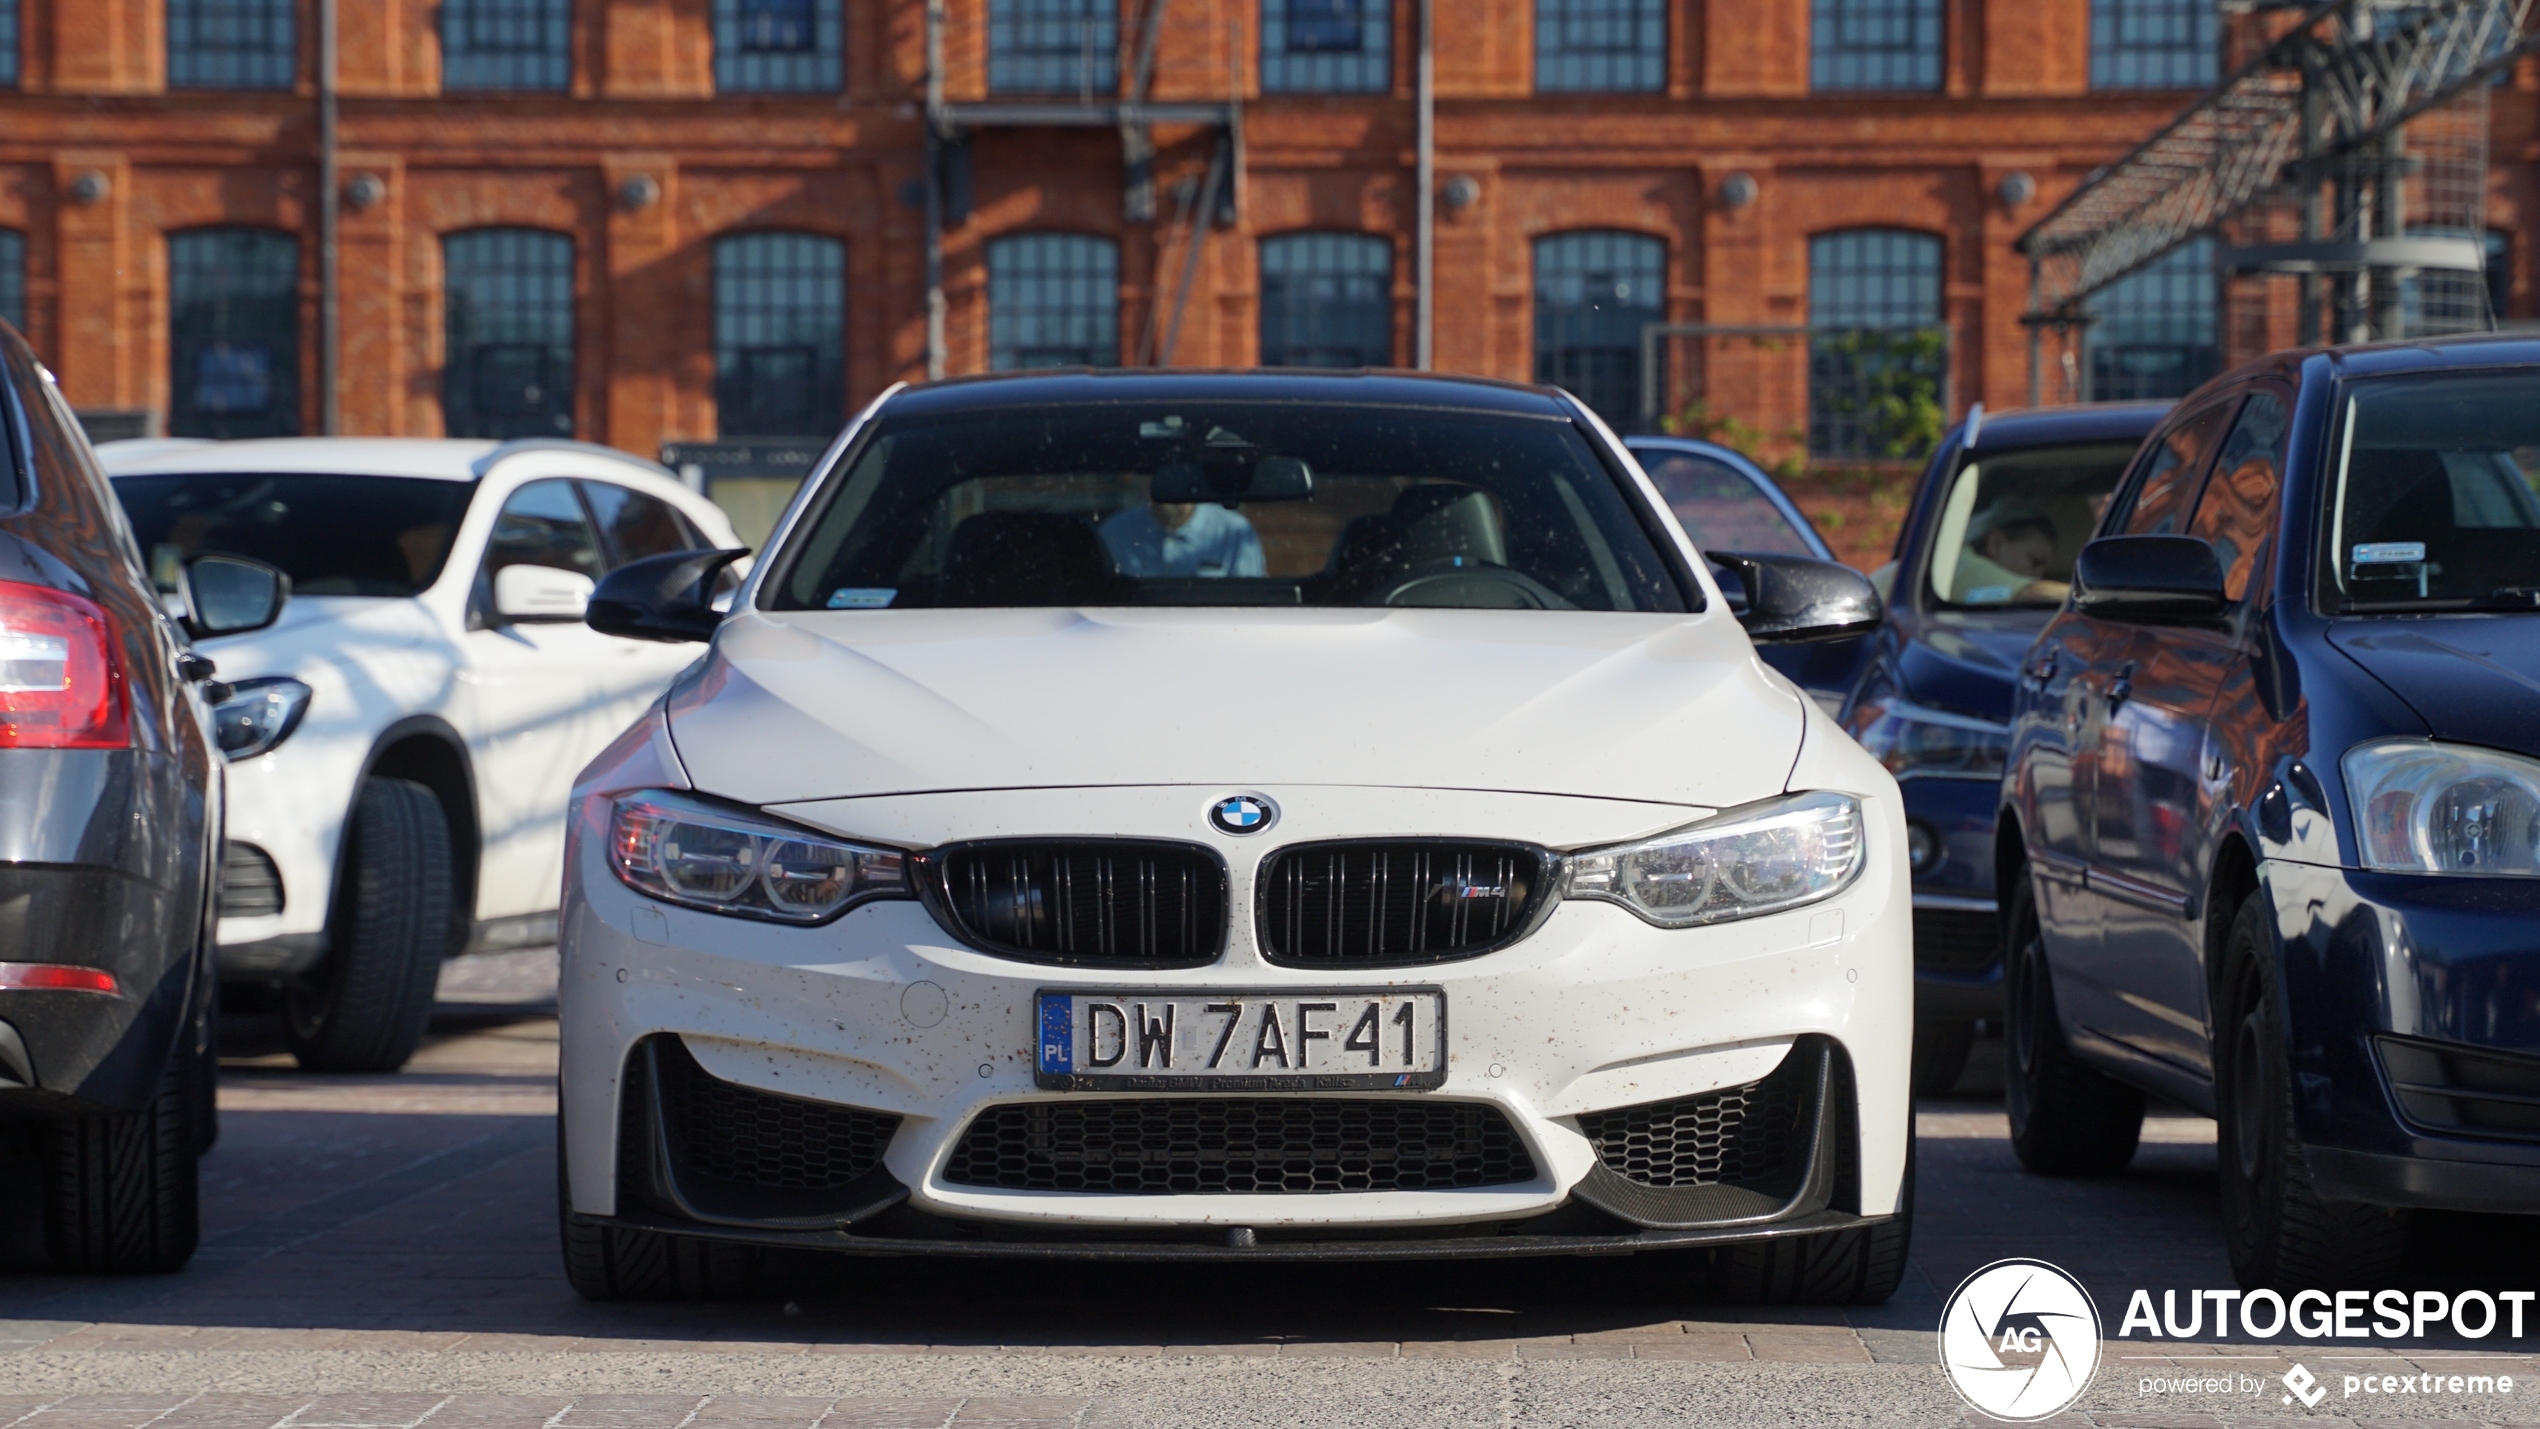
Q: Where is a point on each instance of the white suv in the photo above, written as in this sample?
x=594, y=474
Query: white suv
x=403, y=739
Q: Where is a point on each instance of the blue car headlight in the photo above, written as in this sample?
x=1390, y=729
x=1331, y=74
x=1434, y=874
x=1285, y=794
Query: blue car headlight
x=258, y=714
x=1918, y=742
x=2424, y=807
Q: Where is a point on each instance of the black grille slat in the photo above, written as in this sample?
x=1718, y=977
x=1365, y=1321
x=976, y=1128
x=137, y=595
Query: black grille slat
x=1239, y=1145
x=1959, y=940
x=1401, y=901
x=727, y=1132
x=1096, y=903
x=250, y=884
x=1750, y=1135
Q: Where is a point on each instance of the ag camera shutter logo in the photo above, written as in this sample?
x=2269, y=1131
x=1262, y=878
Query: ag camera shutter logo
x=2019, y=1340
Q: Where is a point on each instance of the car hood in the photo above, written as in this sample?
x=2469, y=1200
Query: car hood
x=1651, y=707
x=1966, y=661
x=321, y=630
x=2471, y=678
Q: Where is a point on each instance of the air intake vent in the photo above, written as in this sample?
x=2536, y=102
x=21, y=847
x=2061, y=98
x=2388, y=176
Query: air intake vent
x=1401, y=902
x=741, y=1136
x=1185, y=1146
x=250, y=885
x=1752, y=1135
x=1114, y=903
x=2463, y=1091
x=1956, y=940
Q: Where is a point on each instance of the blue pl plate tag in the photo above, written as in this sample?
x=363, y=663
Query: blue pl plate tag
x=1058, y=1035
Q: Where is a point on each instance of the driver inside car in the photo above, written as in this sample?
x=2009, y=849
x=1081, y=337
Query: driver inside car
x=2010, y=548
x=1182, y=538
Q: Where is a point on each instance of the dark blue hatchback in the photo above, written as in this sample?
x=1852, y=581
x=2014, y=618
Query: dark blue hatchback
x=2270, y=842
x=1982, y=565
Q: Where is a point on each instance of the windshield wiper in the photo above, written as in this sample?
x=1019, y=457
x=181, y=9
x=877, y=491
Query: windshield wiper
x=2509, y=597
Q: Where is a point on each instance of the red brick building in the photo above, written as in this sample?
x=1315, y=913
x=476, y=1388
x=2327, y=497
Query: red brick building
x=650, y=220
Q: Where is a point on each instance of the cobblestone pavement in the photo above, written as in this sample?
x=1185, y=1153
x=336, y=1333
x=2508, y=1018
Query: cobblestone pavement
x=380, y=1251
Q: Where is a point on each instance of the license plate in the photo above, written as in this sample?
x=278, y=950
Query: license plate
x=1392, y=1040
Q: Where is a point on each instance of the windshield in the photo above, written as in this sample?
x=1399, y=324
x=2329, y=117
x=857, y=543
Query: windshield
x=2435, y=506
x=333, y=535
x=1225, y=504
x=1719, y=507
x=2014, y=522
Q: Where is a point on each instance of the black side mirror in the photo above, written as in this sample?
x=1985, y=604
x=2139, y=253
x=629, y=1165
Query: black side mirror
x=231, y=595
x=667, y=598
x=2148, y=579
x=1789, y=599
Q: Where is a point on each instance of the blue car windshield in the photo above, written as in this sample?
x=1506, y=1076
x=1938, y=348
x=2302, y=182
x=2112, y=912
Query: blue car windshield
x=2438, y=495
x=1225, y=504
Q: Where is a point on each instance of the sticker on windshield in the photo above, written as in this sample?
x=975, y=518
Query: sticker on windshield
x=2389, y=553
x=862, y=597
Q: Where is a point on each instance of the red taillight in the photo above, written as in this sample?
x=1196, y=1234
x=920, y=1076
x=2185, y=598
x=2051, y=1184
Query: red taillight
x=57, y=977
x=61, y=685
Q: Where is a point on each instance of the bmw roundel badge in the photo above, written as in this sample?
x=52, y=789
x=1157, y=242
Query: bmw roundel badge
x=1243, y=814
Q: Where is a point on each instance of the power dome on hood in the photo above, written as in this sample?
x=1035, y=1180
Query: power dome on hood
x=813, y=706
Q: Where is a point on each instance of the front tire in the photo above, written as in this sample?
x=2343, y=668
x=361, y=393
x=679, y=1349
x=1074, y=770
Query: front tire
x=123, y=1192
x=2067, y=1118
x=2281, y=1234
x=1862, y=1266
x=604, y=1262
x=365, y=1008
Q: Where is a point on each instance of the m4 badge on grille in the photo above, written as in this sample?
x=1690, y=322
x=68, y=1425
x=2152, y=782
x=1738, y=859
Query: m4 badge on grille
x=1393, y=1039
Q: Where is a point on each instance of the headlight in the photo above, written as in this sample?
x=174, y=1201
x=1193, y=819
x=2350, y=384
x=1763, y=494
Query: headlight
x=1741, y=863
x=699, y=855
x=1916, y=742
x=2422, y=807
x=258, y=715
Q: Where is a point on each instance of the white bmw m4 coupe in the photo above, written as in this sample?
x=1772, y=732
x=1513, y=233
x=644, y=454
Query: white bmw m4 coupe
x=1211, y=816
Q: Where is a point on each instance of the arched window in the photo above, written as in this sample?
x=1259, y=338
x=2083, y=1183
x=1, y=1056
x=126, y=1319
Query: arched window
x=780, y=312
x=233, y=333
x=507, y=316
x=1326, y=300
x=1594, y=292
x=1054, y=47
x=506, y=44
x=1053, y=301
x=2156, y=335
x=1874, y=44
x=1878, y=358
x=776, y=46
x=13, y=278
x=232, y=44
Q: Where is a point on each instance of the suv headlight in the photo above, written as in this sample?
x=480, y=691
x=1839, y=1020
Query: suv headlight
x=2422, y=807
x=1739, y=863
x=684, y=850
x=1914, y=741
x=258, y=715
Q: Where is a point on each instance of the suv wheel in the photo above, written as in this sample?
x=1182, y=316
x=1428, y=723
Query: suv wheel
x=2282, y=1236
x=606, y=1262
x=365, y=1007
x=122, y=1193
x=1853, y=1267
x=2067, y=1117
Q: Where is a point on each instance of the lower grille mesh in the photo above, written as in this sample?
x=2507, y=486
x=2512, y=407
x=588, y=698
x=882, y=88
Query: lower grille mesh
x=1959, y=940
x=1231, y=1146
x=1748, y=1135
x=737, y=1134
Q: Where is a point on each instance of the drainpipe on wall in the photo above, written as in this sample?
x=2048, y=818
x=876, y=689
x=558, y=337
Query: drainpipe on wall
x=1423, y=322
x=330, y=402
x=934, y=190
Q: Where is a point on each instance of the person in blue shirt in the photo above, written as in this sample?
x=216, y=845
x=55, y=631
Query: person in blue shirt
x=1182, y=539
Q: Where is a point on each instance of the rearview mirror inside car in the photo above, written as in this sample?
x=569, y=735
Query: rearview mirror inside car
x=540, y=593
x=667, y=598
x=231, y=595
x=1272, y=478
x=1790, y=599
x=2148, y=579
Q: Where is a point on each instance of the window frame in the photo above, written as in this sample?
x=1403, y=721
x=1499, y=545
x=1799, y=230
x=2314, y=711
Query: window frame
x=1825, y=59
x=1818, y=325
x=1021, y=72
x=1011, y=242
x=829, y=379
x=509, y=71
x=2200, y=14
x=1641, y=68
x=1657, y=312
x=1367, y=70
x=289, y=390
x=281, y=15
x=570, y=344
x=1297, y=239
x=739, y=69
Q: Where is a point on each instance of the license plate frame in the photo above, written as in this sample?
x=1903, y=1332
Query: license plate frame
x=1056, y=1066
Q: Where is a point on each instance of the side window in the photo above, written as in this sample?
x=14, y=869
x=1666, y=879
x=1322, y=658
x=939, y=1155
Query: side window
x=633, y=525
x=2237, y=511
x=2157, y=500
x=543, y=525
x=1721, y=509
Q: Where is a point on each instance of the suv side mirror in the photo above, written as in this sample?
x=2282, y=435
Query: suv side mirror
x=1790, y=599
x=231, y=595
x=527, y=592
x=667, y=598
x=2148, y=579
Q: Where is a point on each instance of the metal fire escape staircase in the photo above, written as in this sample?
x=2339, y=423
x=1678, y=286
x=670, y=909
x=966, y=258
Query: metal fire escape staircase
x=2315, y=125
x=1134, y=113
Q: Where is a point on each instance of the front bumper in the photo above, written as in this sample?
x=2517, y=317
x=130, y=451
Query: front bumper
x=2452, y=967
x=1957, y=924
x=1593, y=1011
